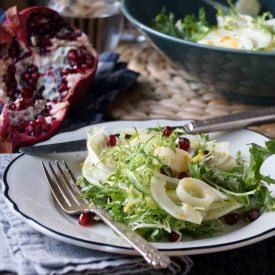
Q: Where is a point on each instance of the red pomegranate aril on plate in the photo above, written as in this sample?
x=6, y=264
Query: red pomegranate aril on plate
x=111, y=140
x=184, y=144
x=84, y=219
x=183, y=175
x=253, y=214
x=173, y=236
x=167, y=131
x=231, y=218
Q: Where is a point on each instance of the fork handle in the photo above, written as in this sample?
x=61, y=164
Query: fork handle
x=145, y=249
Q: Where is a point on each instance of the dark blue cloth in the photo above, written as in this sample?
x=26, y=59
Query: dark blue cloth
x=2, y=16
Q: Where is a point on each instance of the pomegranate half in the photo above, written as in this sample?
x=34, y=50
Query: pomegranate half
x=46, y=65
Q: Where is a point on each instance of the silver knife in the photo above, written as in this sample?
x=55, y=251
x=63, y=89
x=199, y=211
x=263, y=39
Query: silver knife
x=223, y=123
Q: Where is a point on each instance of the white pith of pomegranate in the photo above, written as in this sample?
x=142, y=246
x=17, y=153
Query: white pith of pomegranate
x=45, y=66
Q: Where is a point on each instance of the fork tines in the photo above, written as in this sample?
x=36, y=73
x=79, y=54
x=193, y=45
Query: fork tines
x=62, y=183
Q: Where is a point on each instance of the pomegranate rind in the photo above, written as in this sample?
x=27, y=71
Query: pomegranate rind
x=11, y=138
x=12, y=23
x=5, y=36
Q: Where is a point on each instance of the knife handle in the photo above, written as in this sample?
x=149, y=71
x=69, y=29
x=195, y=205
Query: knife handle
x=232, y=122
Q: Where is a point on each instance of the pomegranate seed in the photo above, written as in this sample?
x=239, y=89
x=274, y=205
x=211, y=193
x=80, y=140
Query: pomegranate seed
x=26, y=92
x=111, y=141
x=63, y=87
x=25, y=102
x=32, y=69
x=35, y=75
x=85, y=219
x=29, y=129
x=40, y=120
x=33, y=123
x=72, y=54
x=167, y=131
x=84, y=67
x=46, y=127
x=12, y=106
x=32, y=82
x=231, y=218
x=184, y=144
x=37, y=130
x=11, y=70
x=183, y=175
x=26, y=76
x=25, y=124
x=253, y=214
x=173, y=236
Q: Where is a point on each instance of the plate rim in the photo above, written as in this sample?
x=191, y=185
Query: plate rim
x=116, y=248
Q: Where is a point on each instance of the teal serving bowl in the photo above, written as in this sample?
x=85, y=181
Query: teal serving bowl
x=239, y=74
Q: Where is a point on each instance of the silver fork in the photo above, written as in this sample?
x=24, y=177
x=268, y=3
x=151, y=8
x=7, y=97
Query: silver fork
x=63, y=186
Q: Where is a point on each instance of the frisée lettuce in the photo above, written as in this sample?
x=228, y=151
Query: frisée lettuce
x=235, y=29
x=158, y=182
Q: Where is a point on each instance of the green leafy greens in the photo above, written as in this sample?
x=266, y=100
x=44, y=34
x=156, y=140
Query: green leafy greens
x=126, y=193
x=233, y=29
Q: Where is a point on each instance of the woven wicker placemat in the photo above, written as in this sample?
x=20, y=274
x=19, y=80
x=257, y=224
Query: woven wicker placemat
x=164, y=91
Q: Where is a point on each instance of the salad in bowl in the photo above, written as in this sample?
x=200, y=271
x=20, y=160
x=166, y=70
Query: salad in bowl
x=165, y=184
x=233, y=30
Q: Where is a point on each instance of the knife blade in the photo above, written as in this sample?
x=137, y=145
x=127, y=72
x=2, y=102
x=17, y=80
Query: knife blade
x=222, y=123
x=62, y=147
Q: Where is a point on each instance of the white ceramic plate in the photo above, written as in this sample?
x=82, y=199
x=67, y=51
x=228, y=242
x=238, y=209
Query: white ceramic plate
x=28, y=196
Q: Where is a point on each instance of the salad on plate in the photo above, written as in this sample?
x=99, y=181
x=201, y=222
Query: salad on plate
x=165, y=184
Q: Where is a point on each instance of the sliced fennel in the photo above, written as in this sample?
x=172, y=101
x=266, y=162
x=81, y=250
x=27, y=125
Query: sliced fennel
x=137, y=181
x=184, y=212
